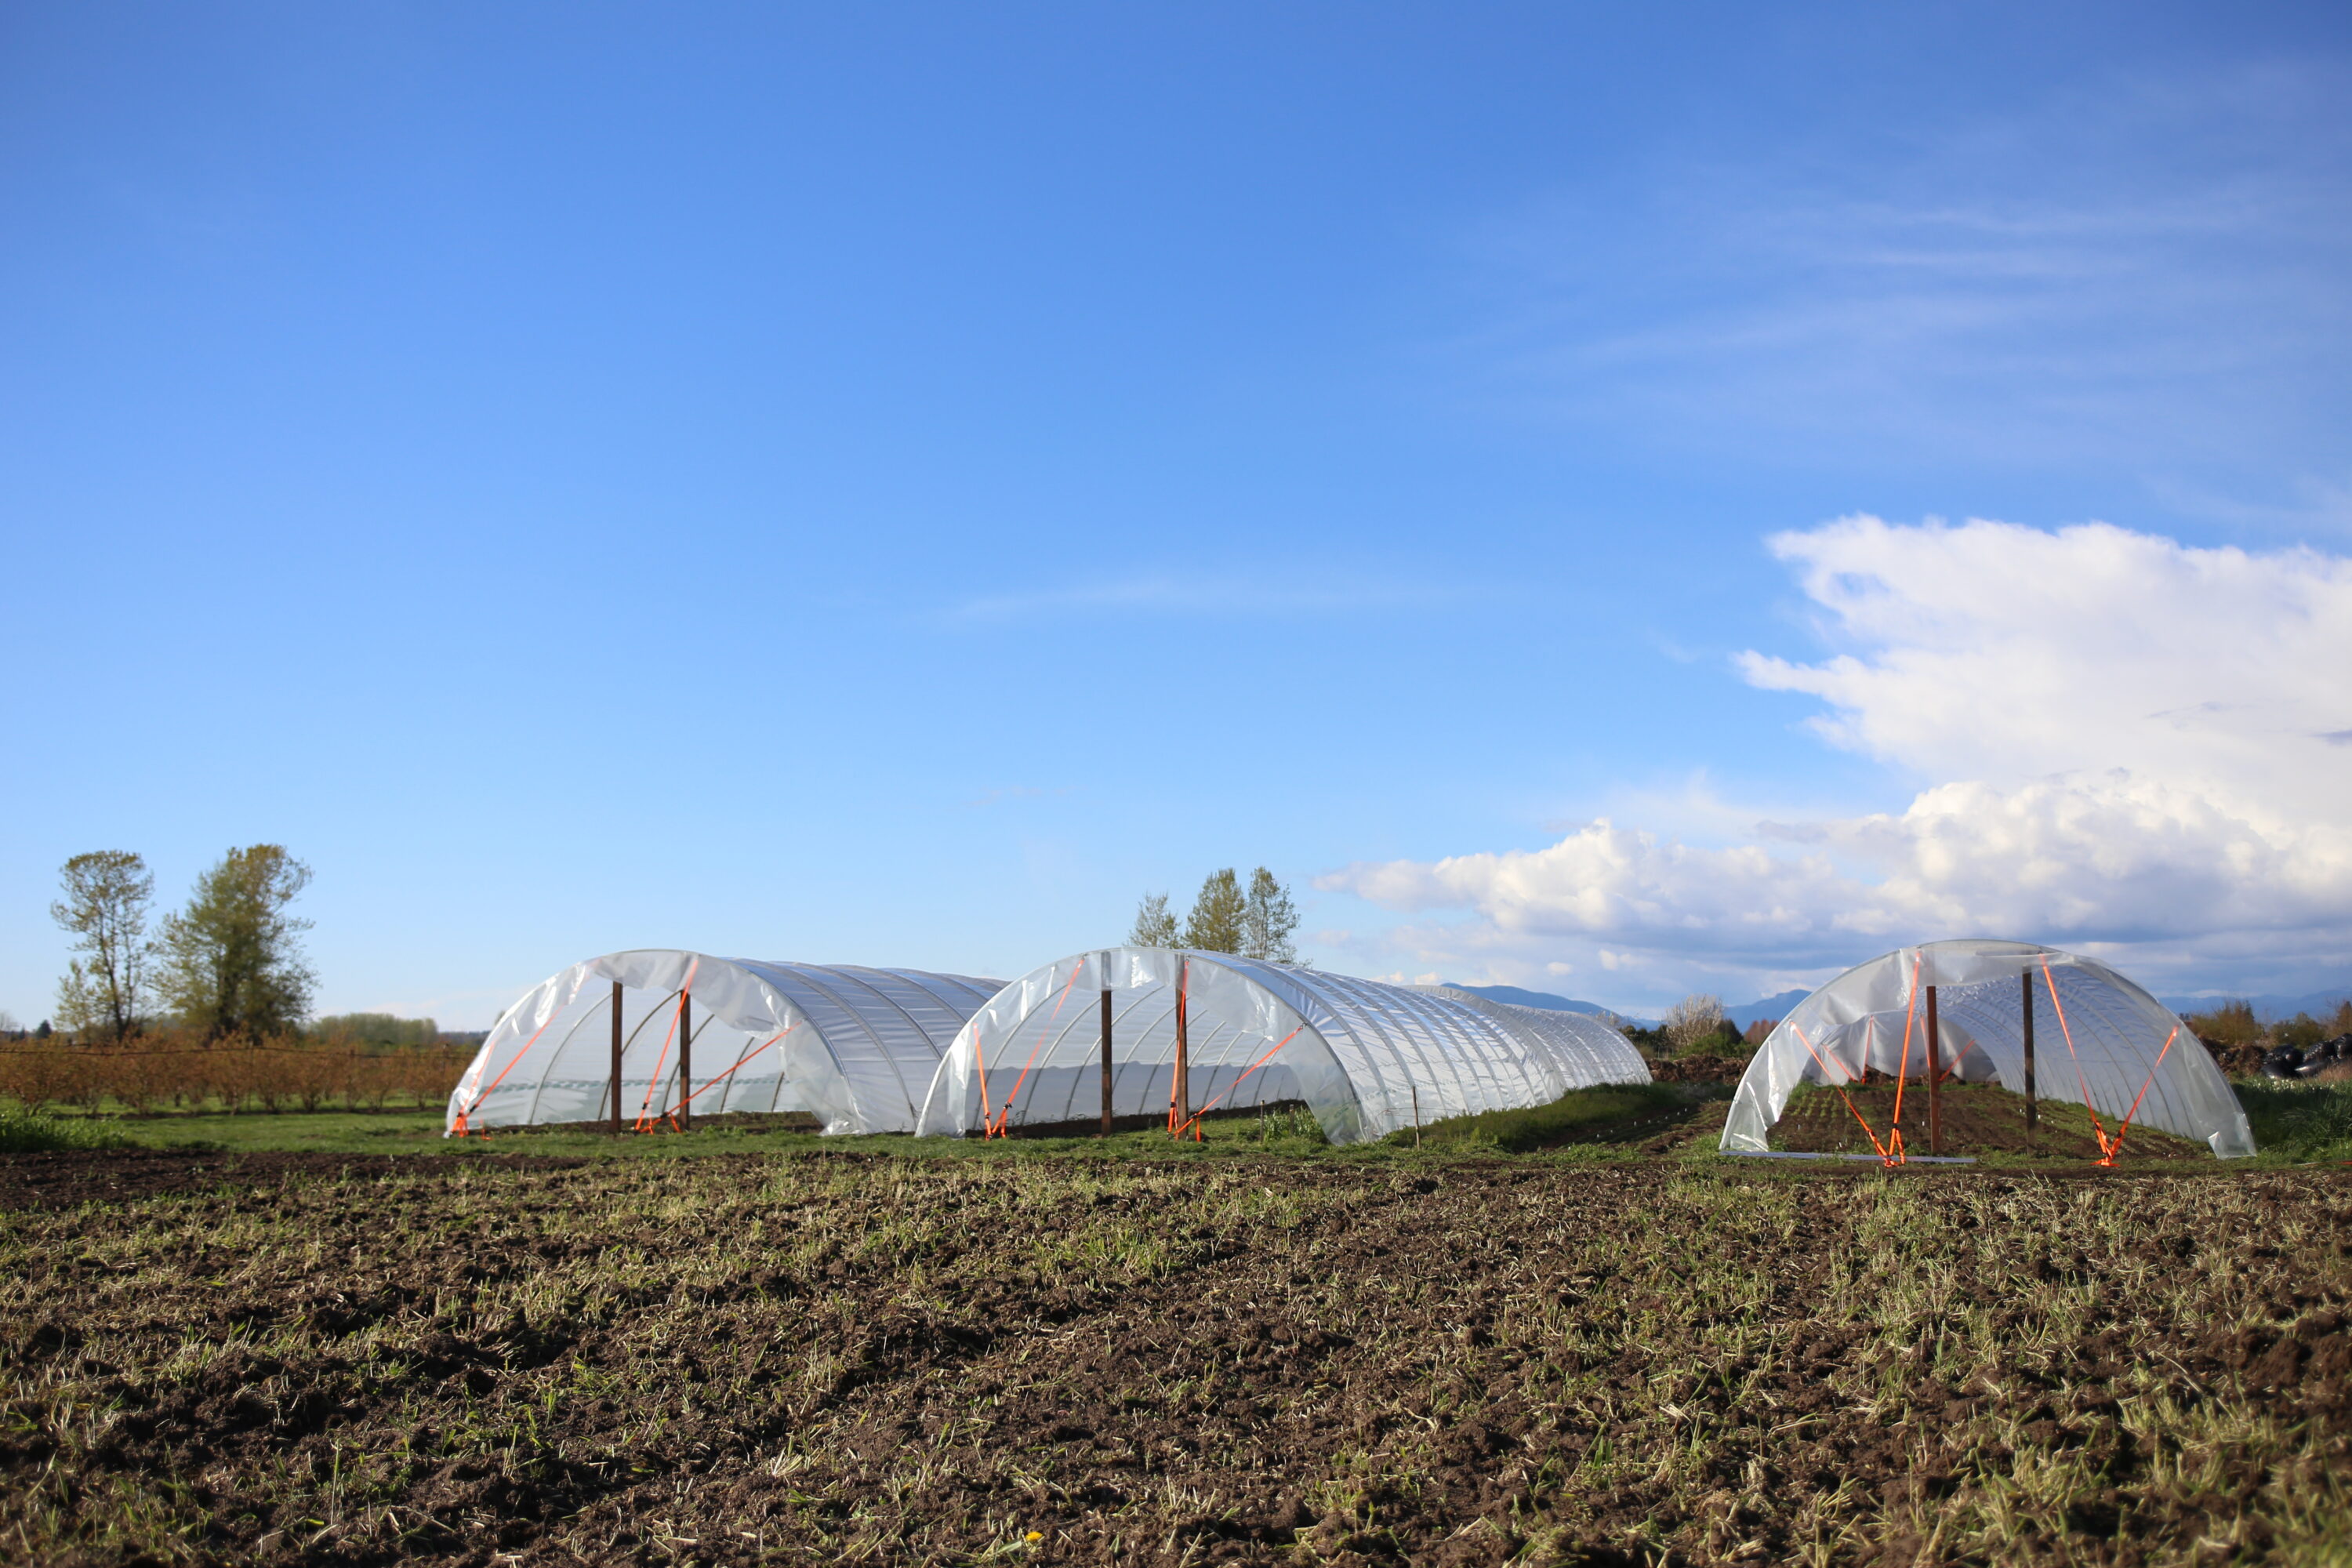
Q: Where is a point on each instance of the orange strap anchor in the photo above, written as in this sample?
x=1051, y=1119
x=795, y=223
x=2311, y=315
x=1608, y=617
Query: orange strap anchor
x=998, y=1130
x=1194, y=1122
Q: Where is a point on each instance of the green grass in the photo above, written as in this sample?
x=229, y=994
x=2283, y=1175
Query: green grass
x=29, y=1133
x=2298, y=1123
x=1600, y=1116
x=2294, y=1123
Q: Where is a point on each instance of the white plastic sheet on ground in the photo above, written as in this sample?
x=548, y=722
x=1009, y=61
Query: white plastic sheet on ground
x=2118, y=1033
x=1366, y=1057
x=856, y=1047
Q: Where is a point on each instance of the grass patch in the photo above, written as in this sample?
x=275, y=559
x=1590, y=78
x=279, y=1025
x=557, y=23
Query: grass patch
x=2296, y=1123
x=29, y=1133
x=1611, y=1114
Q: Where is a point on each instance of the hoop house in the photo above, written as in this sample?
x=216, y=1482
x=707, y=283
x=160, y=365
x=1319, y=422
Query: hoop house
x=1366, y=1057
x=855, y=1046
x=2099, y=1040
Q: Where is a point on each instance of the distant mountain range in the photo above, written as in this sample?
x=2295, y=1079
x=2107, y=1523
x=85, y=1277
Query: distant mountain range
x=1773, y=1007
x=2318, y=1003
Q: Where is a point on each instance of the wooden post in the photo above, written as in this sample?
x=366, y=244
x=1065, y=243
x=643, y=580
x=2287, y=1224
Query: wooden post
x=1934, y=1077
x=2032, y=1118
x=1416, y=1111
x=685, y=1062
x=616, y=1056
x=1180, y=1104
x=1106, y=1034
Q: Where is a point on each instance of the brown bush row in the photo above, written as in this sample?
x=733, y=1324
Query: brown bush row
x=159, y=1071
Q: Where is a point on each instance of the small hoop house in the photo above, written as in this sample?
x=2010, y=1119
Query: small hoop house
x=2099, y=1040
x=1367, y=1058
x=855, y=1046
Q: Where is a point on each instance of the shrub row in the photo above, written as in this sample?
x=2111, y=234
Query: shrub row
x=162, y=1070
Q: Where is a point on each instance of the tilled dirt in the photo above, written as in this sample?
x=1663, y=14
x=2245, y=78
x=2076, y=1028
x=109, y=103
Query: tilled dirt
x=739, y=1360
x=1977, y=1119
x=65, y=1180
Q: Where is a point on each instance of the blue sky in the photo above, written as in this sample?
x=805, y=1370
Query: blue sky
x=892, y=484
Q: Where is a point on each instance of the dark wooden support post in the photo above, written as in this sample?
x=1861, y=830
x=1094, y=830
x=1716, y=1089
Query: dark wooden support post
x=1934, y=1077
x=2032, y=1116
x=1180, y=1104
x=1106, y=1070
x=685, y=1062
x=616, y=1056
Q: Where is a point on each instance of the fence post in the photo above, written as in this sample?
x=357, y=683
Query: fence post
x=616, y=1056
x=1180, y=1101
x=1106, y=1051
x=1934, y=1077
x=2032, y=1118
x=685, y=1062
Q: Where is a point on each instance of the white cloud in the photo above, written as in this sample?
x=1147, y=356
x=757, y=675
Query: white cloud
x=2120, y=742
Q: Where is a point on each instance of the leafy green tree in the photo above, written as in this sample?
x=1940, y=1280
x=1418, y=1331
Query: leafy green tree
x=1268, y=917
x=1217, y=922
x=232, y=961
x=108, y=892
x=1154, y=926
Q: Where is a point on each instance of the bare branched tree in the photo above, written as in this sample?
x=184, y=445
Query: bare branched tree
x=1693, y=1019
x=106, y=895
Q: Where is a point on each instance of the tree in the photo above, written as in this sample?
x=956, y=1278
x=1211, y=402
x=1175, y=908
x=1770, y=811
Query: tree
x=106, y=895
x=232, y=961
x=1154, y=926
x=1693, y=1018
x=1215, y=924
x=1267, y=919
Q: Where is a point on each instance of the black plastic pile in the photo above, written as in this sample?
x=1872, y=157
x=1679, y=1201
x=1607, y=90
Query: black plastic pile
x=2307, y=1061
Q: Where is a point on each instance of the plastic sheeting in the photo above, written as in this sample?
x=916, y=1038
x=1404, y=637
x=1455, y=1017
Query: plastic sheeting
x=1856, y=1023
x=1367, y=1058
x=856, y=1047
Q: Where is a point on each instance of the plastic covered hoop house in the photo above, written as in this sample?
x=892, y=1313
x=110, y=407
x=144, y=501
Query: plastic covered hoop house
x=2099, y=1040
x=1367, y=1058
x=855, y=1046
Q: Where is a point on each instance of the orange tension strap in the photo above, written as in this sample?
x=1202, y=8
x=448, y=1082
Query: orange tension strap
x=2126, y=1127
x=1195, y=1122
x=1839, y=1084
x=1005, y=1120
x=647, y=1115
x=1910, y=1012
x=476, y=1103
x=745, y=1061
x=2098, y=1128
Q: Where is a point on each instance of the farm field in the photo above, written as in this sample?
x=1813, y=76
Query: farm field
x=819, y=1355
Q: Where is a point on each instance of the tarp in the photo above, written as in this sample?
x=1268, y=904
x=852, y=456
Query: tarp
x=1366, y=1057
x=2118, y=1035
x=855, y=1046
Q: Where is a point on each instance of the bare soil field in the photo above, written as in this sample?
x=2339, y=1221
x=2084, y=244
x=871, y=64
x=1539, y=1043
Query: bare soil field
x=732, y=1360
x=1978, y=1119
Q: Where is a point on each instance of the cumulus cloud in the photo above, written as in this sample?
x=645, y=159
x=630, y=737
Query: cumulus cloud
x=2117, y=742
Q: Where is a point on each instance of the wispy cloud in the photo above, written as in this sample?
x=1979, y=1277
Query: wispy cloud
x=2074, y=287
